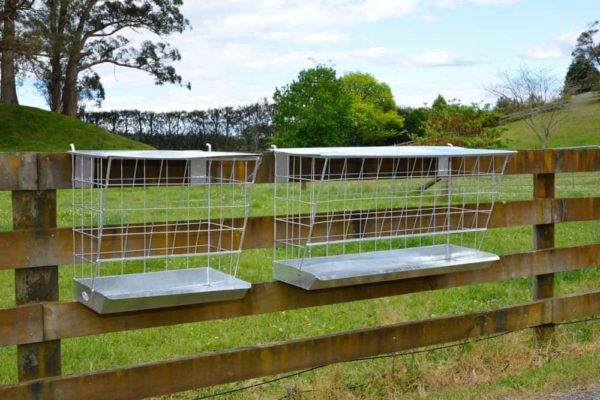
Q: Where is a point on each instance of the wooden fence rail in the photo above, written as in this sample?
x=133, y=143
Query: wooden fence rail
x=27, y=248
x=168, y=376
x=45, y=171
x=36, y=246
x=60, y=320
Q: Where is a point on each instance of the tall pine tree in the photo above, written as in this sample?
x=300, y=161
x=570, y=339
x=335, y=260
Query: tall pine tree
x=581, y=77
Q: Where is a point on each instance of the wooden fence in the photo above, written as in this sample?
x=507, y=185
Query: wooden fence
x=38, y=322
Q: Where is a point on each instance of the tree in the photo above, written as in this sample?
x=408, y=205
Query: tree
x=586, y=47
x=415, y=120
x=375, y=120
x=536, y=95
x=462, y=125
x=581, y=77
x=313, y=110
x=74, y=36
x=504, y=105
x=439, y=103
x=10, y=45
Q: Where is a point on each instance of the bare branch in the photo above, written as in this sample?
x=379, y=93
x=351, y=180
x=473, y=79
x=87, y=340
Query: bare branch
x=536, y=95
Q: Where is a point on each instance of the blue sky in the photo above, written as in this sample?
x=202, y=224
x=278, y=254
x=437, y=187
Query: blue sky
x=239, y=51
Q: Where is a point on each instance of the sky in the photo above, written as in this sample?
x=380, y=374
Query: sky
x=239, y=51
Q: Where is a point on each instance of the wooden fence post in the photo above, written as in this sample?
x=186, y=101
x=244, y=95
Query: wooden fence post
x=36, y=209
x=543, y=238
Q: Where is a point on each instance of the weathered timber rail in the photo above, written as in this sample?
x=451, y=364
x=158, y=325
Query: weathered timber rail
x=229, y=366
x=38, y=323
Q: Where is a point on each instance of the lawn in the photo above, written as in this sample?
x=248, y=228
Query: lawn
x=28, y=128
x=423, y=374
x=580, y=126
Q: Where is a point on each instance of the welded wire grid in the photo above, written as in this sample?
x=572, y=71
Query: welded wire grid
x=336, y=206
x=143, y=215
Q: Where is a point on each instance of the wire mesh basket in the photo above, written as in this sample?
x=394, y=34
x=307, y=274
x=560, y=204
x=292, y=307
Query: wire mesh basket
x=357, y=215
x=158, y=228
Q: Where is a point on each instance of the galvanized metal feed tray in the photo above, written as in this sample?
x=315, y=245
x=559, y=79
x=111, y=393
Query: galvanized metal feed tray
x=132, y=292
x=376, y=266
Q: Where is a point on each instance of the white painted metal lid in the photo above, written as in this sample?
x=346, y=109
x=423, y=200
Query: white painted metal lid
x=391, y=151
x=162, y=154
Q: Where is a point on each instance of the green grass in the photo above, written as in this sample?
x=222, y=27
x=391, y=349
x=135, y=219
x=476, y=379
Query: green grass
x=580, y=127
x=31, y=129
x=357, y=380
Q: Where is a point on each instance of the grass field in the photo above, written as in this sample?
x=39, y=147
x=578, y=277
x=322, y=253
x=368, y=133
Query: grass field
x=31, y=129
x=580, y=126
x=510, y=366
x=442, y=374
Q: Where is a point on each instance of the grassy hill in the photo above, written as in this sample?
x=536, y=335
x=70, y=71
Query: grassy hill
x=32, y=129
x=580, y=126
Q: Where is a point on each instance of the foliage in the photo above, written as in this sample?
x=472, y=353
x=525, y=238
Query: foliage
x=581, y=77
x=415, y=120
x=535, y=94
x=74, y=36
x=439, y=103
x=586, y=47
x=313, y=110
x=461, y=125
x=505, y=105
x=32, y=129
x=375, y=120
x=247, y=128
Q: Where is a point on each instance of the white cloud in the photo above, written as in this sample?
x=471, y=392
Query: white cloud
x=429, y=18
x=298, y=18
x=322, y=37
x=375, y=10
x=560, y=46
x=494, y=2
x=438, y=59
x=458, y=3
x=445, y=3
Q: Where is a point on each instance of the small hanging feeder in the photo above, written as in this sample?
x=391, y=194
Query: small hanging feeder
x=159, y=228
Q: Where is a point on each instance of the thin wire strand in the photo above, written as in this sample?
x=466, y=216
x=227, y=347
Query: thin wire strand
x=381, y=356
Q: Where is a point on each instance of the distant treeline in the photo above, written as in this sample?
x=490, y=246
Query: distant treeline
x=246, y=128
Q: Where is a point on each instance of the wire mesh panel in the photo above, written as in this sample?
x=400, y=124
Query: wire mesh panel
x=159, y=228
x=357, y=215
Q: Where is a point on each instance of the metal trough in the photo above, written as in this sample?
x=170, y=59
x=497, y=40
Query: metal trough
x=141, y=291
x=376, y=266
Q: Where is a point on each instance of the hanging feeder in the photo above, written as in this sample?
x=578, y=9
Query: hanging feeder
x=357, y=215
x=159, y=228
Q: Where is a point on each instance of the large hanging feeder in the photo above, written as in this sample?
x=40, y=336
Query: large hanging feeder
x=357, y=215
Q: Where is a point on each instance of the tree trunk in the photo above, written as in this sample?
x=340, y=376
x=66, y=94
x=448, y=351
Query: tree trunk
x=8, y=87
x=57, y=25
x=69, y=95
x=54, y=84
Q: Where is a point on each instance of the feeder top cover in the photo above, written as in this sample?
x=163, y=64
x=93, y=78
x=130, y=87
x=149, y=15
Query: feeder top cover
x=163, y=154
x=392, y=151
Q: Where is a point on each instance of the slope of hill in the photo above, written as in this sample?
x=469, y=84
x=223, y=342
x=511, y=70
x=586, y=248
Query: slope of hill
x=32, y=129
x=580, y=126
